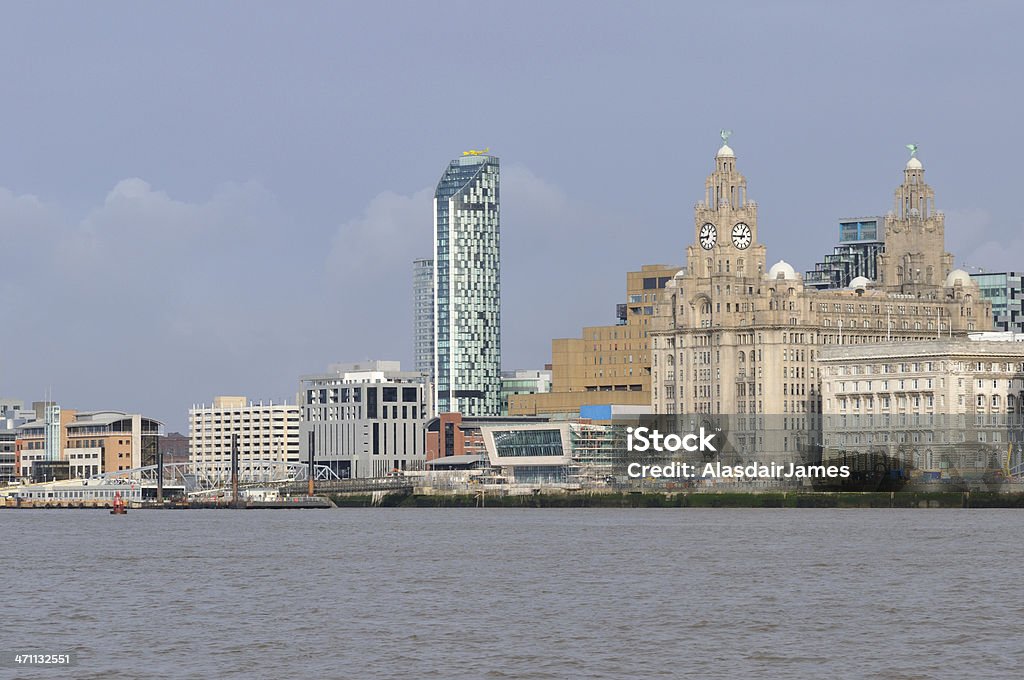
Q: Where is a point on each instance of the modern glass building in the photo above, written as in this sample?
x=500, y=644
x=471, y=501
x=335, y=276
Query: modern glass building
x=579, y=453
x=467, y=292
x=423, y=315
x=1005, y=290
x=533, y=453
x=861, y=239
x=523, y=382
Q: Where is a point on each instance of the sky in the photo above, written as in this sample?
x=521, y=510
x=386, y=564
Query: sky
x=206, y=198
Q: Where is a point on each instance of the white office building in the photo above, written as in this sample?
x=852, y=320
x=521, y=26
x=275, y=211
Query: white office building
x=949, y=408
x=268, y=434
x=365, y=420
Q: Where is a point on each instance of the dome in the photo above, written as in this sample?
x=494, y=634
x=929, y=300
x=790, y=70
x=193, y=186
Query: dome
x=914, y=164
x=958, y=276
x=781, y=267
x=859, y=282
x=725, y=152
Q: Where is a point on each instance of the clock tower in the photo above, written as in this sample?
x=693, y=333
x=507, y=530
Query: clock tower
x=725, y=223
x=733, y=337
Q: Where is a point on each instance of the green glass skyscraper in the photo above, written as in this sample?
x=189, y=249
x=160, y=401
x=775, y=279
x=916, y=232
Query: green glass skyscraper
x=467, y=290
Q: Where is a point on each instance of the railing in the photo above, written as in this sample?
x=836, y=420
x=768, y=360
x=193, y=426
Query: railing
x=353, y=485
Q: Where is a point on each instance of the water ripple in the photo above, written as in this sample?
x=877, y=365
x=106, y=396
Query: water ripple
x=470, y=593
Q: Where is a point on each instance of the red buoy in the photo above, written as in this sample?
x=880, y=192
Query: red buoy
x=119, y=505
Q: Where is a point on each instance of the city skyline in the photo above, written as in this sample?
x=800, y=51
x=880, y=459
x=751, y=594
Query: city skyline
x=186, y=218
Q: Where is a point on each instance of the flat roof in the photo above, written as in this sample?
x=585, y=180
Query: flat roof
x=465, y=459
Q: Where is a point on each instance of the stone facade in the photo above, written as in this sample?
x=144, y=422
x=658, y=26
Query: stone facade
x=733, y=336
x=948, y=408
x=915, y=260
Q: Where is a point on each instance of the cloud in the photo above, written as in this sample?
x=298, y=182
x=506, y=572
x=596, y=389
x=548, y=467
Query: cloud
x=28, y=227
x=551, y=286
x=140, y=227
x=23, y=212
x=393, y=229
x=563, y=266
x=149, y=303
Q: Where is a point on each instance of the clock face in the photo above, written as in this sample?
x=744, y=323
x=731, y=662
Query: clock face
x=708, y=236
x=741, y=235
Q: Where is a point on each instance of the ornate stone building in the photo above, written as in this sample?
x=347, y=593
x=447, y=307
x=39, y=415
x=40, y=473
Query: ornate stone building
x=915, y=258
x=733, y=336
x=949, y=409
